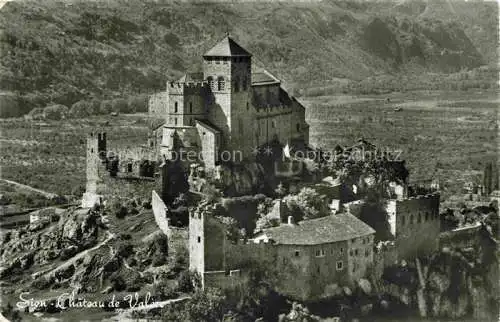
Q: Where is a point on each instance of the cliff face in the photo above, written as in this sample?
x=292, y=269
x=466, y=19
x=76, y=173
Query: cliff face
x=456, y=283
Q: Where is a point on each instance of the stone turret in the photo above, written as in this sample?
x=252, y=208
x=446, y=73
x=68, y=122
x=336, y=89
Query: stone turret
x=96, y=153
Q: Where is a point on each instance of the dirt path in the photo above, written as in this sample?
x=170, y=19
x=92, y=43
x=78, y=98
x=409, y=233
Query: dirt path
x=74, y=258
x=46, y=194
x=125, y=314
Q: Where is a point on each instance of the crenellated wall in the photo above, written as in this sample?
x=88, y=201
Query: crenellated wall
x=416, y=224
x=186, y=102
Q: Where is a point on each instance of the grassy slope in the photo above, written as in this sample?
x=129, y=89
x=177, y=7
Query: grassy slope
x=64, y=52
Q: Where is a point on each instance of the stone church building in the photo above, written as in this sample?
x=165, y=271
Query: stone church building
x=229, y=107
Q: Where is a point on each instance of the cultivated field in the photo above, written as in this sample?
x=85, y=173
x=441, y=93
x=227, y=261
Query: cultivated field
x=448, y=135
x=50, y=155
x=445, y=135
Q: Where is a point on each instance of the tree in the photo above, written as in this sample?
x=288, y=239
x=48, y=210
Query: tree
x=36, y=113
x=119, y=105
x=494, y=184
x=55, y=112
x=307, y=204
x=374, y=214
x=106, y=107
x=81, y=109
x=488, y=178
x=116, y=208
x=138, y=103
x=204, y=306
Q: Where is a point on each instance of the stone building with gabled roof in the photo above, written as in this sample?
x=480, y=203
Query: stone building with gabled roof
x=320, y=255
x=313, y=259
x=246, y=106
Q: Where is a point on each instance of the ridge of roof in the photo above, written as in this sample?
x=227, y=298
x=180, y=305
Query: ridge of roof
x=227, y=47
x=328, y=229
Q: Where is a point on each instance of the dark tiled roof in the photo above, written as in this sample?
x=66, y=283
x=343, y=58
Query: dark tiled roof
x=263, y=78
x=324, y=230
x=191, y=77
x=206, y=124
x=227, y=47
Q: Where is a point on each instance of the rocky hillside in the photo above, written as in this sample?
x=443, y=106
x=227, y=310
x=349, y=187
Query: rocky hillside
x=93, y=252
x=63, y=52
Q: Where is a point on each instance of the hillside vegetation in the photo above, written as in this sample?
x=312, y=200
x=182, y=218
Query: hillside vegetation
x=64, y=52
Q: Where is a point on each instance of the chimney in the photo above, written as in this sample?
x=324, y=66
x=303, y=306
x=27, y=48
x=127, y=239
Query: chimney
x=290, y=220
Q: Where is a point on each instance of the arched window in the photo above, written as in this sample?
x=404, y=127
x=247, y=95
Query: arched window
x=273, y=124
x=403, y=220
x=191, y=107
x=244, y=85
x=298, y=127
x=176, y=107
x=236, y=84
x=411, y=219
x=419, y=218
x=210, y=81
x=220, y=83
x=426, y=216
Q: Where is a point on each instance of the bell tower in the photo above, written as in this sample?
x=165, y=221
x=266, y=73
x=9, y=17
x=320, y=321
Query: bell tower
x=227, y=70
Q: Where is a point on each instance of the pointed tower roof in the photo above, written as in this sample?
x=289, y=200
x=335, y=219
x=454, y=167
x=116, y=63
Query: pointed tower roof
x=227, y=47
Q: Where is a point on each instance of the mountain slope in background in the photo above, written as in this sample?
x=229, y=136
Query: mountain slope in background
x=62, y=52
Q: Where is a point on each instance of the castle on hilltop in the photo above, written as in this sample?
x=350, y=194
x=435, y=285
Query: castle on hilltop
x=229, y=107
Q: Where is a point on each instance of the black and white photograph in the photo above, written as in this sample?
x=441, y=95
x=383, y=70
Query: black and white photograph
x=253, y=161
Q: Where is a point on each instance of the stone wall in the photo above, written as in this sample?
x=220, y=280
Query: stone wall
x=95, y=171
x=417, y=226
x=461, y=237
x=209, y=144
x=360, y=257
x=160, y=212
x=157, y=104
x=225, y=279
x=383, y=256
x=196, y=243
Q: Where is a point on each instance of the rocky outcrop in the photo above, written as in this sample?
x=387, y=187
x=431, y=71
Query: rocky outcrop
x=248, y=178
x=75, y=231
x=455, y=284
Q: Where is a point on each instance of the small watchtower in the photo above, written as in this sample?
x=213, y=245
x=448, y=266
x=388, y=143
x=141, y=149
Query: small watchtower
x=96, y=153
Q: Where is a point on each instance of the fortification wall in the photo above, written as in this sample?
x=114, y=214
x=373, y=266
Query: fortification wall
x=461, y=237
x=417, y=225
x=158, y=104
x=383, y=256
x=160, y=212
x=209, y=145
x=268, y=93
x=225, y=279
x=196, y=243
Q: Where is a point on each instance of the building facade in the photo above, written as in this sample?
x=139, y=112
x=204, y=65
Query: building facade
x=312, y=259
x=228, y=107
x=415, y=225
